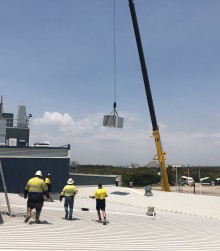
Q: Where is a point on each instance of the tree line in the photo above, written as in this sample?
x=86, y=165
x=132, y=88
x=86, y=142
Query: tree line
x=143, y=176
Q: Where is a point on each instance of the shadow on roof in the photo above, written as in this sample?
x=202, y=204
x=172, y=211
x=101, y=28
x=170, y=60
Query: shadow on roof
x=1, y=220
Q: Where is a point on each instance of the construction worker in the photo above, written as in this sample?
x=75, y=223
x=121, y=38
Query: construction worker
x=100, y=195
x=49, y=186
x=35, y=191
x=69, y=191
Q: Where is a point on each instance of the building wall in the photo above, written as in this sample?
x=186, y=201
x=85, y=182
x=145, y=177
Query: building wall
x=91, y=179
x=9, y=118
x=21, y=134
x=2, y=131
x=18, y=171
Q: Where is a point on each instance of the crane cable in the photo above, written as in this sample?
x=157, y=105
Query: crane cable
x=115, y=62
x=114, y=120
x=114, y=112
x=114, y=57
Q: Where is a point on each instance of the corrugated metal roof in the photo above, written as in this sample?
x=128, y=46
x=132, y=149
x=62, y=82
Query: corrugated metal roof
x=182, y=222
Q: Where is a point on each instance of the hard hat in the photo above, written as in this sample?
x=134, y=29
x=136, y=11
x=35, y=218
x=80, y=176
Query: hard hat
x=38, y=173
x=70, y=181
x=49, y=174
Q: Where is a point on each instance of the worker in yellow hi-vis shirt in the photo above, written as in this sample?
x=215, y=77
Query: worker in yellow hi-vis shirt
x=69, y=191
x=49, y=186
x=100, y=195
x=35, y=190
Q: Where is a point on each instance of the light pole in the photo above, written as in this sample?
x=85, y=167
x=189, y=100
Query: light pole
x=176, y=178
x=199, y=180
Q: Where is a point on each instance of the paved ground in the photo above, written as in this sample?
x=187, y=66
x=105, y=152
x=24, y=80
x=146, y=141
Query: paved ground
x=199, y=189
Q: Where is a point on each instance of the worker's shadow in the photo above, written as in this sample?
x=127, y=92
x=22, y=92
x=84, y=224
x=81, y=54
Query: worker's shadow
x=1, y=220
x=73, y=219
x=76, y=219
x=44, y=222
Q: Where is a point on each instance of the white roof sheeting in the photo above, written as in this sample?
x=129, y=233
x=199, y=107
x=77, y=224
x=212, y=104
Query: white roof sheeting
x=34, y=152
x=182, y=222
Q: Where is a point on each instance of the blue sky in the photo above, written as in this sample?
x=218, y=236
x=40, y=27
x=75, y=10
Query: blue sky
x=57, y=58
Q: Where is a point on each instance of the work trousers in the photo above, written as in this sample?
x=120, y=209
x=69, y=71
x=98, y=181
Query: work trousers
x=68, y=205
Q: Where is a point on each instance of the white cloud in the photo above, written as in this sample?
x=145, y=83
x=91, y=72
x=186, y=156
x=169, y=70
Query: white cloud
x=93, y=143
x=90, y=141
x=195, y=148
x=53, y=118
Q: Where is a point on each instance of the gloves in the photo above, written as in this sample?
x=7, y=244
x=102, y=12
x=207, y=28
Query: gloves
x=61, y=197
x=25, y=194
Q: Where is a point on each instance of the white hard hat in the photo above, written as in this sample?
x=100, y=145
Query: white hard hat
x=70, y=181
x=38, y=173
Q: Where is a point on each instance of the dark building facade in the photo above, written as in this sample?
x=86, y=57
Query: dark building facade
x=21, y=164
x=20, y=136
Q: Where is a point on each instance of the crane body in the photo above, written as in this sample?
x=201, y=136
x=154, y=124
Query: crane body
x=160, y=156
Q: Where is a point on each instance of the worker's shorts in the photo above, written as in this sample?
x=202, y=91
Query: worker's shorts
x=100, y=205
x=37, y=205
x=49, y=187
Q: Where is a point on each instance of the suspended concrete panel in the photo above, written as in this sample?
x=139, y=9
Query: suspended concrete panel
x=113, y=121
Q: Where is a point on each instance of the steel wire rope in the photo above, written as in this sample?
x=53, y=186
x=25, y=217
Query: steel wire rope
x=114, y=112
x=115, y=60
x=114, y=37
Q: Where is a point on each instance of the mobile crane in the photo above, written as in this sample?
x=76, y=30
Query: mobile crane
x=160, y=156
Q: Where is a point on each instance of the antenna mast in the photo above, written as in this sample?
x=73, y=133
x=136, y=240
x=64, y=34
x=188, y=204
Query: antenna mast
x=1, y=106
